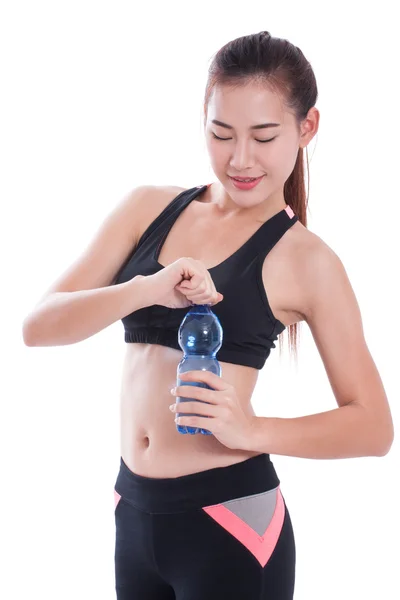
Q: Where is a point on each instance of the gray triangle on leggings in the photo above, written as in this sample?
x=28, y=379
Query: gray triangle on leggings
x=256, y=510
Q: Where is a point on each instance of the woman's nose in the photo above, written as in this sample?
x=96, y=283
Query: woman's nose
x=241, y=158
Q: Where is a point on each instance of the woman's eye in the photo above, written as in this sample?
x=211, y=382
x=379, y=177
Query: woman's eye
x=225, y=139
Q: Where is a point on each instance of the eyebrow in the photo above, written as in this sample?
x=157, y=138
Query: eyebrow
x=261, y=126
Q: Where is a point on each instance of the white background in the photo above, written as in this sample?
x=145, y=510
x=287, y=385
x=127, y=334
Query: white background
x=97, y=98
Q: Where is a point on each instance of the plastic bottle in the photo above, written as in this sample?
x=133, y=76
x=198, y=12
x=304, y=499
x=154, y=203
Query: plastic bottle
x=200, y=337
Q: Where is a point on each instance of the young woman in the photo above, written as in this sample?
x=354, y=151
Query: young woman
x=203, y=516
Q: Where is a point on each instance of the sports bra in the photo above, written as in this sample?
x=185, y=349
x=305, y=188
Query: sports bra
x=249, y=326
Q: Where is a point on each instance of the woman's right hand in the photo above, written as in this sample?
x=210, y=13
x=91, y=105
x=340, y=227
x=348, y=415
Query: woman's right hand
x=181, y=284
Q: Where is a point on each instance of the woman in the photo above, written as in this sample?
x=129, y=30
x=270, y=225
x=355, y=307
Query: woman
x=203, y=516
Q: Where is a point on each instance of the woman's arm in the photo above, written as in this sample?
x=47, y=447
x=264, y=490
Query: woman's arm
x=69, y=317
x=362, y=425
x=83, y=301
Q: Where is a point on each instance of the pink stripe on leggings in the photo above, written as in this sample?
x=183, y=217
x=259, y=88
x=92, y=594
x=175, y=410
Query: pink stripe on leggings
x=260, y=546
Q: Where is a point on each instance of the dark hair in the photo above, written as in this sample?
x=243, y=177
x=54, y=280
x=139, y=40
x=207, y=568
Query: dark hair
x=259, y=57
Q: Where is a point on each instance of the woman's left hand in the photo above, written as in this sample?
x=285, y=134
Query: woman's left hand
x=228, y=422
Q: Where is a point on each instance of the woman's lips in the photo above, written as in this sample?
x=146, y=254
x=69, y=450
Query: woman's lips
x=246, y=185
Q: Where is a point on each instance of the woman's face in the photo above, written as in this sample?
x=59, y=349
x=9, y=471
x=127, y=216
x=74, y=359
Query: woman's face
x=244, y=152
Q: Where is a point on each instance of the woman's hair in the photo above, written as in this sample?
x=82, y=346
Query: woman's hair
x=282, y=67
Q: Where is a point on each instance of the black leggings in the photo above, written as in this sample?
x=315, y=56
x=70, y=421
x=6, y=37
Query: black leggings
x=224, y=533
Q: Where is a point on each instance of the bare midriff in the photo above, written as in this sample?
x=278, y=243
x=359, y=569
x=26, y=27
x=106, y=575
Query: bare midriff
x=151, y=446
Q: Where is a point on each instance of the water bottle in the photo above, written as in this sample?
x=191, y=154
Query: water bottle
x=200, y=337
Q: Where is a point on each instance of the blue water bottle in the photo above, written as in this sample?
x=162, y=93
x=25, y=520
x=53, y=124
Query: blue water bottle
x=200, y=337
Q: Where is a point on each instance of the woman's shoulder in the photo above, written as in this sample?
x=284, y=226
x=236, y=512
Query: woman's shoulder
x=309, y=250
x=312, y=264
x=158, y=198
x=295, y=266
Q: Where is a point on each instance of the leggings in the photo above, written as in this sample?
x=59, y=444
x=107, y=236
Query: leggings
x=223, y=533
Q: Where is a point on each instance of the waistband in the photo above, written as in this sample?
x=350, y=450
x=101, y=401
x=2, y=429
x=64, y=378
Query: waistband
x=178, y=494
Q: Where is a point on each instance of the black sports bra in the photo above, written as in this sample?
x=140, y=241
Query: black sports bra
x=249, y=326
